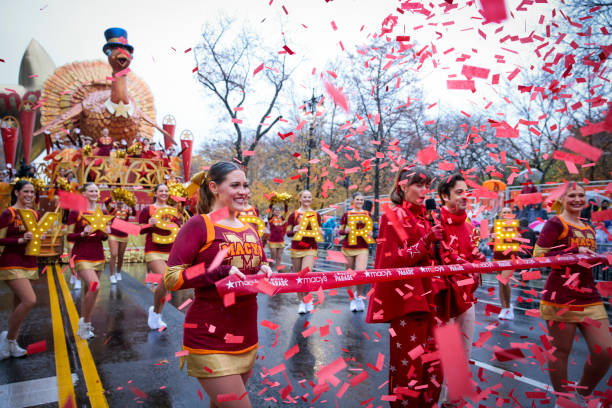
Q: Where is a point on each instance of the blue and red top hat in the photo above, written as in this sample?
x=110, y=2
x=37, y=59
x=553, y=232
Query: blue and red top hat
x=117, y=37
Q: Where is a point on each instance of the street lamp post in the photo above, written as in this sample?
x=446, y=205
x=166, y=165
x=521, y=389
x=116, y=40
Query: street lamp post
x=311, y=105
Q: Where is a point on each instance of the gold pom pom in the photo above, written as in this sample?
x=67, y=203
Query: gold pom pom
x=176, y=189
x=121, y=194
x=38, y=184
x=135, y=149
x=61, y=183
x=87, y=150
x=280, y=197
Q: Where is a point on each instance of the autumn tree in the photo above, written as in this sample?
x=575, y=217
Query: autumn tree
x=234, y=65
x=387, y=100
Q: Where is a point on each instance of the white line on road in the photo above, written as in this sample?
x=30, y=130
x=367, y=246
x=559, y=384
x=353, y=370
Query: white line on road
x=30, y=393
x=523, y=379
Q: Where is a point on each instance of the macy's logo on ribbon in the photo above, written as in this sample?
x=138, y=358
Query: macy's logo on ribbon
x=313, y=279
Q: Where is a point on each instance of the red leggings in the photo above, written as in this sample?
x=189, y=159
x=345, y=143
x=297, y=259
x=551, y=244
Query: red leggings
x=412, y=367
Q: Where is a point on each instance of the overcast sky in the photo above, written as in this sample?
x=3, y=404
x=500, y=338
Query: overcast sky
x=72, y=30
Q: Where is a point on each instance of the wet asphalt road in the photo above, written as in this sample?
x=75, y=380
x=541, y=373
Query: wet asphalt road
x=138, y=367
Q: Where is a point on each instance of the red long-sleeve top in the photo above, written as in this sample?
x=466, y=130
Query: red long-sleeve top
x=276, y=224
x=460, y=245
x=12, y=253
x=201, y=241
x=386, y=303
x=88, y=248
x=149, y=230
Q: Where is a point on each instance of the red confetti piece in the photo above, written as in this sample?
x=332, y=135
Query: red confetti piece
x=582, y=148
x=258, y=69
x=338, y=97
x=37, y=347
x=461, y=84
x=291, y=352
x=185, y=304
x=509, y=354
x=226, y=397
x=153, y=277
x=269, y=325
x=427, y=155
x=289, y=51
x=124, y=226
x=229, y=299
x=454, y=362
x=72, y=201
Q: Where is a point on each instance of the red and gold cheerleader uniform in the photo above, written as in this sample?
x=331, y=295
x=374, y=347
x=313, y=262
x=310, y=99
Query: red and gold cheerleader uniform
x=568, y=297
x=88, y=251
x=408, y=306
x=153, y=250
x=14, y=263
x=221, y=340
x=361, y=246
x=307, y=246
x=276, y=225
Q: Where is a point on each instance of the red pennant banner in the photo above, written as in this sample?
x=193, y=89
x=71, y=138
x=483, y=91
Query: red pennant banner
x=9, y=140
x=186, y=146
x=27, y=118
x=170, y=128
x=313, y=281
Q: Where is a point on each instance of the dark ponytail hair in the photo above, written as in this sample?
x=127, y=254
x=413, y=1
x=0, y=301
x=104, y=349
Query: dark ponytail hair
x=412, y=175
x=19, y=185
x=216, y=173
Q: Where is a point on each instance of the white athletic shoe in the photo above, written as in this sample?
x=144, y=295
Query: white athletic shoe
x=15, y=350
x=302, y=308
x=510, y=314
x=309, y=307
x=5, y=351
x=353, y=305
x=85, y=331
x=503, y=314
x=155, y=321
x=77, y=283
x=118, y=276
x=113, y=279
x=360, y=305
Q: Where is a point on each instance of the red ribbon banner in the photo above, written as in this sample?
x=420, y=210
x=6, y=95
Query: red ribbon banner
x=313, y=281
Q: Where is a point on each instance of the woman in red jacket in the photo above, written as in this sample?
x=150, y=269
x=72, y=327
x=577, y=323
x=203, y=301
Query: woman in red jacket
x=156, y=253
x=221, y=364
x=88, y=255
x=570, y=297
x=407, y=304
